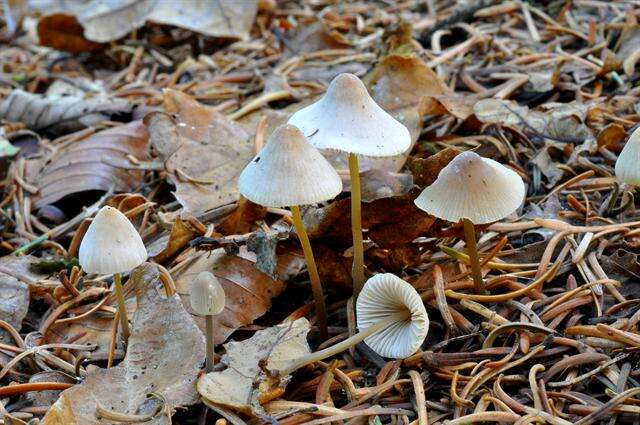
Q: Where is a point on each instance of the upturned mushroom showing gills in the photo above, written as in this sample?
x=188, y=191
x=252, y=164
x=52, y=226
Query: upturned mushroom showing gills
x=289, y=172
x=474, y=190
x=347, y=119
x=112, y=246
x=628, y=163
x=391, y=317
x=207, y=299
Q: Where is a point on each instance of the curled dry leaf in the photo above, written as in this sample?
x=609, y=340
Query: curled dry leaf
x=181, y=234
x=81, y=166
x=164, y=356
x=63, y=32
x=242, y=385
x=59, y=114
x=248, y=291
x=204, y=153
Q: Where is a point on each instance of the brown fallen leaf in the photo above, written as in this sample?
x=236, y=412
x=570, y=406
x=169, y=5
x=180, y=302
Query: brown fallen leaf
x=205, y=153
x=59, y=114
x=165, y=353
x=63, y=32
x=248, y=291
x=241, y=385
x=81, y=166
x=181, y=234
x=425, y=170
x=612, y=136
x=242, y=219
x=14, y=301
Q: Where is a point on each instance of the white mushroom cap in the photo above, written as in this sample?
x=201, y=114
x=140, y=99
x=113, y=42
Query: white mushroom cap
x=385, y=294
x=207, y=296
x=628, y=163
x=472, y=187
x=289, y=171
x=111, y=244
x=346, y=118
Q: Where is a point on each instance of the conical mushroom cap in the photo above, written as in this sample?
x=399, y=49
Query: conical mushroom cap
x=386, y=294
x=628, y=163
x=472, y=187
x=111, y=244
x=207, y=296
x=346, y=118
x=289, y=171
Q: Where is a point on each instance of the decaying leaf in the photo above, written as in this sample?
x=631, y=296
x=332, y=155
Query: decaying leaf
x=425, y=170
x=206, y=158
x=242, y=218
x=83, y=166
x=181, y=234
x=248, y=291
x=14, y=301
x=164, y=355
x=63, y=32
x=239, y=386
x=59, y=114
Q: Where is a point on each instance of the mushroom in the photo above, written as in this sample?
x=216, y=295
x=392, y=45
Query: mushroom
x=289, y=172
x=347, y=119
x=112, y=245
x=628, y=163
x=475, y=190
x=391, y=317
x=207, y=299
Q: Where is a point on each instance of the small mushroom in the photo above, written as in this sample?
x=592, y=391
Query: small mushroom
x=392, y=320
x=289, y=172
x=475, y=190
x=207, y=299
x=347, y=119
x=628, y=163
x=112, y=245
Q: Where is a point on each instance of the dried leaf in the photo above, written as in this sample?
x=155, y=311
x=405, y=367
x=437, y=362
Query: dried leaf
x=207, y=158
x=238, y=387
x=14, y=301
x=81, y=166
x=242, y=218
x=107, y=21
x=165, y=353
x=425, y=170
x=63, y=32
x=181, y=234
x=59, y=114
x=248, y=291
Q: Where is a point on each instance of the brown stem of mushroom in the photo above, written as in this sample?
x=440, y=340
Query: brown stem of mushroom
x=210, y=352
x=357, y=271
x=472, y=250
x=316, y=286
x=122, y=308
x=343, y=345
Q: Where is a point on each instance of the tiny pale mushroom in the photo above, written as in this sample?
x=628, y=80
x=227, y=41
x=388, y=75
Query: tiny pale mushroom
x=474, y=190
x=289, y=172
x=628, y=163
x=392, y=320
x=112, y=245
x=207, y=299
x=347, y=119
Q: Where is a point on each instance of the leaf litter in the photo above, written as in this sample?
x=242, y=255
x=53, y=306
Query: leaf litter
x=154, y=108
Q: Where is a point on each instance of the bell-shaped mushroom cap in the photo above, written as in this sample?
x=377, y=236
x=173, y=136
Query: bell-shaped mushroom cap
x=628, y=163
x=207, y=296
x=111, y=244
x=472, y=187
x=289, y=171
x=385, y=294
x=347, y=119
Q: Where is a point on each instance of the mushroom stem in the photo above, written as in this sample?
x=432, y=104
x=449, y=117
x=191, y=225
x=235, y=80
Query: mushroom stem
x=357, y=271
x=210, y=352
x=122, y=308
x=472, y=250
x=316, y=286
x=343, y=345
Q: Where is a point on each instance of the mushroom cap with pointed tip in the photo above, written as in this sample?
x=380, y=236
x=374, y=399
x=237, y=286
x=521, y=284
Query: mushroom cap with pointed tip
x=347, y=119
x=207, y=296
x=111, y=244
x=472, y=187
x=628, y=163
x=289, y=171
x=385, y=294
